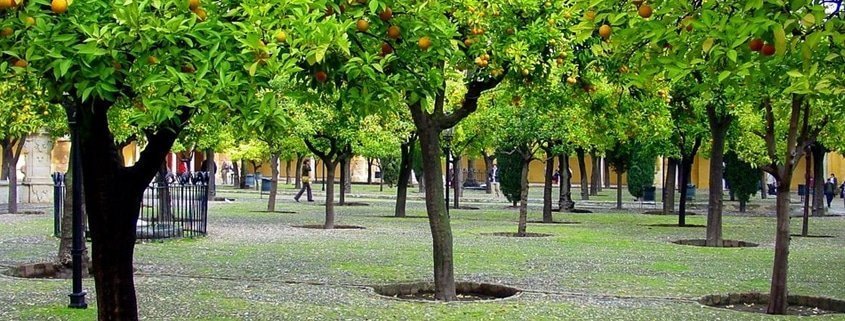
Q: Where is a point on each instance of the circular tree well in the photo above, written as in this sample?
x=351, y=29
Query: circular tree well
x=800, y=305
x=336, y=227
x=467, y=291
x=725, y=243
x=509, y=234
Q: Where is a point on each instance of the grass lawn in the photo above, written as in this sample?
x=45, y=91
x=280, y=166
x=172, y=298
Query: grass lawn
x=257, y=266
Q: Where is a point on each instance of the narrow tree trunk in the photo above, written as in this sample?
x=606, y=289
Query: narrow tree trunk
x=471, y=179
x=778, y=292
x=236, y=176
x=405, y=166
x=212, y=172
x=12, y=152
x=669, y=186
x=742, y=205
x=330, y=169
x=344, y=175
x=547, y=188
x=347, y=179
x=817, y=155
x=618, y=190
x=764, y=186
x=488, y=166
x=243, y=174
x=595, y=175
x=805, y=220
x=439, y=222
x=274, y=182
x=287, y=172
x=369, y=171
x=523, y=197
x=686, y=168
x=714, y=208
x=457, y=181
x=298, y=175
x=565, y=203
x=582, y=169
x=606, y=173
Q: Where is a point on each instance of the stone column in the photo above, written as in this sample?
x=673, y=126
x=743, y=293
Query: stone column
x=38, y=183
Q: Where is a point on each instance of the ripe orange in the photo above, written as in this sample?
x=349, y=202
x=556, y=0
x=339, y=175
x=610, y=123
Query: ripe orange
x=21, y=63
x=424, y=43
x=321, y=76
x=362, y=25
x=386, y=49
x=7, y=31
x=201, y=14
x=468, y=42
x=386, y=15
x=604, y=31
x=193, y=4
x=152, y=60
x=58, y=6
x=281, y=36
x=768, y=49
x=30, y=21
x=188, y=69
x=6, y=4
x=755, y=44
x=590, y=15
x=644, y=11
x=393, y=32
x=571, y=80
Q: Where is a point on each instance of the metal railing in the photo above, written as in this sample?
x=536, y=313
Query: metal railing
x=172, y=206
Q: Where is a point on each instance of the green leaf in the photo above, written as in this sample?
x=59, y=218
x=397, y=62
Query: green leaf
x=732, y=55
x=795, y=73
x=253, y=68
x=707, y=45
x=724, y=75
x=780, y=40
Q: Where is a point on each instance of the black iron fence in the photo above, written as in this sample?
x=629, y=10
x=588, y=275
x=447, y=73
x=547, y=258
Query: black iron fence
x=172, y=206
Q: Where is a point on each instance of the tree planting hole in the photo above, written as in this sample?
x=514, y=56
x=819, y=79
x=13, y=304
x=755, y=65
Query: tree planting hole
x=813, y=236
x=353, y=204
x=471, y=208
x=46, y=270
x=466, y=291
x=336, y=227
x=670, y=214
x=406, y=216
x=508, y=234
x=800, y=305
x=276, y=212
x=725, y=243
x=555, y=222
x=676, y=225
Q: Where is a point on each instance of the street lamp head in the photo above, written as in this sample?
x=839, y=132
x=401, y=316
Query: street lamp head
x=832, y=7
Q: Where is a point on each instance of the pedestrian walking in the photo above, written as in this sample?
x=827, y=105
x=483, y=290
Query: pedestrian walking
x=306, y=181
x=493, y=178
x=830, y=188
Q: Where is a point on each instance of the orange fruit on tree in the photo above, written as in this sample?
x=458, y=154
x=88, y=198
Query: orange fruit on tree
x=362, y=25
x=188, y=68
x=467, y=42
x=590, y=15
x=424, y=43
x=6, y=4
x=58, y=6
x=755, y=44
x=193, y=4
x=152, y=60
x=321, y=76
x=386, y=15
x=386, y=49
x=21, y=63
x=644, y=11
x=393, y=32
x=7, y=31
x=281, y=36
x=201, y=14
x=604, y=31
x=768, y=49
x=30, y=21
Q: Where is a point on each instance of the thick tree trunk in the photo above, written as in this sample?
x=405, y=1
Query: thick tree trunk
x=582, y=169
x=547, y=188
x=13, y=189
x=595, y=175
x=287, y=171
x=212, y=172
x=488, y=166
x=778, y=292
x=11, y=153
x=764, y=187
x=686, y=169
x=298, y=175
x=162, y=194
x=439, y=222
x=243, y=174
x=471, y=179
x=714, y=208
x=669, y=186
x=618, y=190
x=742, y=205
x=565, y=203
x=330, y=169
x=64, y=257
x=274, y=182
x=405, y=166
x=818, y=153
x=457, y=180
x=236, y=176
x=523, y=197
x=344, y=176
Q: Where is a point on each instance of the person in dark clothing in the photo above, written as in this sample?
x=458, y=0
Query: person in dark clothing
x=830, y=188
x=306, y=181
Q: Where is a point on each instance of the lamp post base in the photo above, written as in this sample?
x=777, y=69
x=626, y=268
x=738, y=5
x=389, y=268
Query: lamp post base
x=77, y=301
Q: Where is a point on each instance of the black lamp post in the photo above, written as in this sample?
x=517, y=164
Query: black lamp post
x=832, y=7
x=77, y=296
x=447, y=139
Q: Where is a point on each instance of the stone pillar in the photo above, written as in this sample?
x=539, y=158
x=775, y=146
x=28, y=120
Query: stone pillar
x=38, y=183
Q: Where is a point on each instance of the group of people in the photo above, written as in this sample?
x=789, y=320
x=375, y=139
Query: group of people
x=832, y=187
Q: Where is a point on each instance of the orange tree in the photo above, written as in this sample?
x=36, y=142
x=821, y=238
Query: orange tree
x=784, y=56
x=407, y=49
x=91, y=55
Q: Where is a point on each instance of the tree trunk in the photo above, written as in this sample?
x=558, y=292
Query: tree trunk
x=606, y=173
x=686, y=169
x=298, y=175
x=764, y=186
x=369, y=171
x=441, y=230
x=595, y=175
x=236, y=176
x=344, y=176
x=330, y=169
x=287, y=172
x=742, y=205
x=669, y=187
x=457, y=181
x=818, y=153
x=64, y=257
x=565, y=203
x=274, y=182
x=347, y=179
x=547, y=188
x=582, y=169
x=714, y=208
x=212, y=172
x=488, y=166
x=243, y=174
x=778, y=293
x=523, y=197
x=11, y=153
x=805, y=220
x=618, y=190
x=471, y=179
x=405, y=166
